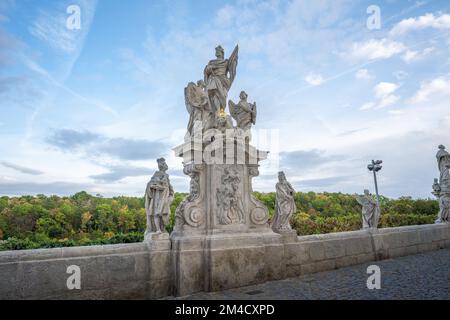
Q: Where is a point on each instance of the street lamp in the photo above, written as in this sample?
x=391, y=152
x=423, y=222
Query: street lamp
x=375, y=166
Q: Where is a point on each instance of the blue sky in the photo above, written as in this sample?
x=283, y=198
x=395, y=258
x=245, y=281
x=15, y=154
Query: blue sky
x=91, y=109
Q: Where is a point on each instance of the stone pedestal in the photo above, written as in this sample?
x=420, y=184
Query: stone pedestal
x=160, y=278
x=222, y=238
x=222, y=261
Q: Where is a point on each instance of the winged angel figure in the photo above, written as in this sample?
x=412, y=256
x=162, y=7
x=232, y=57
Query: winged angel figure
x=219, y=76
x=243, y=112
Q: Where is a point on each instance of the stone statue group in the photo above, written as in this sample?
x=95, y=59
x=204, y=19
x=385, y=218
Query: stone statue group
x=159, y=196
x=205, y=102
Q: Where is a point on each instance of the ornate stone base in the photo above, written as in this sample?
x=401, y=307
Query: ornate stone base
x=223, y=261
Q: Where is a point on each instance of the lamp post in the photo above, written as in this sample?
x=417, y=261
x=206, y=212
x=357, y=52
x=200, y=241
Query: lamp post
x=375, y=166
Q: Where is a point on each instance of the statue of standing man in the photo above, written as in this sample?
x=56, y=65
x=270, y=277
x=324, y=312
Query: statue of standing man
x=158, y=197
x=441, y=187
x=219, y=76
x=285, y=205
x=370, y=210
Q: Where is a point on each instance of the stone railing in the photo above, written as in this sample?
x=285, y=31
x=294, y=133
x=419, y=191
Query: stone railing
x=144, y=270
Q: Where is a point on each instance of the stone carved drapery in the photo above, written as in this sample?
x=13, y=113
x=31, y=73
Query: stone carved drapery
x=219, y=75
x=441, y=186
x=158, y=197
x=285, y=205
x=370, y=210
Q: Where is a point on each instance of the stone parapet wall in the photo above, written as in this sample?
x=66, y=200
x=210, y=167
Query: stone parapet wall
x=336, y=250
x=145, y=270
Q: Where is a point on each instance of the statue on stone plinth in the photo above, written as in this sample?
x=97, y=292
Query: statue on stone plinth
x=244, y=112
x=219, y=76
x=370, y=210
x=285, y=205
x=219, y=159
x=441, y=187
x=197, y=105
x=158, y=197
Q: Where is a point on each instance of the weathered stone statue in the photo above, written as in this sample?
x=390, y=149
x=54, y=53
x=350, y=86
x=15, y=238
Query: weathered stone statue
x=158, y=197
x=220, y=214
x=197, y=105
x=285, y=205
x=244, y=113
x=441, y=187
x=370, y=210
x=219, y=76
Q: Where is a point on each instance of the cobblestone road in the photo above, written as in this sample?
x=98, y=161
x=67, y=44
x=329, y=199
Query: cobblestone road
x=422, y=276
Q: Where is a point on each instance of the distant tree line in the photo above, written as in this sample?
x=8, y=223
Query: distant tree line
x=30, y=222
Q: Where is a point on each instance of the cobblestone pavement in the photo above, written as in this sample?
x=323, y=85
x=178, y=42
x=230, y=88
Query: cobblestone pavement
x=422, y=276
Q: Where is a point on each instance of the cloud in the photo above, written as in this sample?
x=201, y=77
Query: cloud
x=314, y=79
x=384, y=89
x=376, y=49
x=117, y=173
x=363, y=74
x=302, y=160
x=428, y=20
x=97, y=144
x=321, y=183
x=383, y=92
x=438, y=86
x=9, y=188
x=50, y=26
x=410, y=55
x=21, y=169
x=68, y=139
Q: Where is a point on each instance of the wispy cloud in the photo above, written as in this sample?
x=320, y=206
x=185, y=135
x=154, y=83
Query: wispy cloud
x=50, y=26
x=97, y=144
x=116, y=173
x=411, y=55
x=384, y=94
x=363, y=74
x=376, y=49
x=21, y=169
x=12, y=188
x=437, y=87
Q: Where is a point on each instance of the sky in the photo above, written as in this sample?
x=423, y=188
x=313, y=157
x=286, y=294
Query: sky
x=91, y=106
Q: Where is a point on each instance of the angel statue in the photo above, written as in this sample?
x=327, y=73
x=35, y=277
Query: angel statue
x=158, y=197
x=370, y=210
x=219, y=76
x=284, y=206
x=197, y=105
x=244, y=113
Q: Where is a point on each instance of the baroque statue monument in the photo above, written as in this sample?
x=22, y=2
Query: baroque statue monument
x=158, y=197
x=285, y=205
x=220, y=213
x=441, y=186
x=370, y=210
